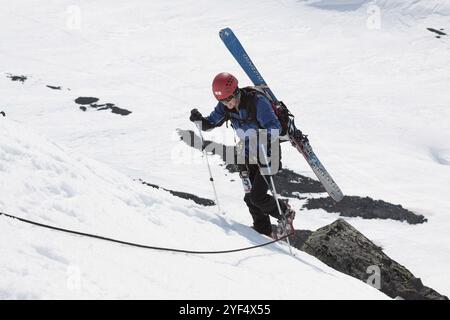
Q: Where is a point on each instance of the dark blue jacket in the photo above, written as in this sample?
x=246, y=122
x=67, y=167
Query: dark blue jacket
x=265, y=116
x=255, y=112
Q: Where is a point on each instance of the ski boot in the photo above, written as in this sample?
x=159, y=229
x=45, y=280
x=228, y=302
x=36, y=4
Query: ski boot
x=285, y=225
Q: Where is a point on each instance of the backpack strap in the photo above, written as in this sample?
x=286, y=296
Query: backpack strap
x=280, y=109
x=247, y=102
x=248, y=95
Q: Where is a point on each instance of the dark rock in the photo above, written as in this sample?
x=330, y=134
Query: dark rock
x=440, y=33
x=53, y=87
x=122, y=112
x=345, y=249
x=289, y=183
x=91, y=101
x=83, y=108
x=17, y=78
x=299, y=238
x=3, y=113
x=85, y=100
x=367, y=208
x=184, y=195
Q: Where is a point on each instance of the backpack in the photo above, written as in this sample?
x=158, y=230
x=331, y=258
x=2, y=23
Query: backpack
x=279, y=108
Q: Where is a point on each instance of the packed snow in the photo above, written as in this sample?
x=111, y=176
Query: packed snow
x=367, y=81
x=48, y=183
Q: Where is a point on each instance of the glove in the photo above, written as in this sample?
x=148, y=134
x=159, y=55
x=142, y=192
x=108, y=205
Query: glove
x=195, y=115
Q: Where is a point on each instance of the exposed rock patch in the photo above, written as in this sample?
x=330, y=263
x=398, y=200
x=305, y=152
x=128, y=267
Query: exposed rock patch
x=294, y=185
x=438, y=32
x=184, y=195
x=367, y=208
x=16, y=78
x=54, y=87
x=86, y=102
x=342, y=247
x=299, y=238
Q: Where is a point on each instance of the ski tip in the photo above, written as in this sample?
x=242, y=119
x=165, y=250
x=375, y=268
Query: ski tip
x=225, y=32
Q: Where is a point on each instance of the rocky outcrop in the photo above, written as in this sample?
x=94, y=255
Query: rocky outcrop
x=339, y=245
x=342, y=247
x=367, y=208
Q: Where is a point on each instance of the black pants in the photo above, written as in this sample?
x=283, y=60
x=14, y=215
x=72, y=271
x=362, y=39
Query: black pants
x=260, y=204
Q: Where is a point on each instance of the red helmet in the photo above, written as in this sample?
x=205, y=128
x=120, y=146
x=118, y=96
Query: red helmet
x=224, y=85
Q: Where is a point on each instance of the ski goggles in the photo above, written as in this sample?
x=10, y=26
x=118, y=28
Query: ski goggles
x=236, y=93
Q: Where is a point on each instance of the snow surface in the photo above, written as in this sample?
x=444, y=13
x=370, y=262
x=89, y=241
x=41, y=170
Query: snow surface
x=396, y=8
x=46, y=182
x=375, y=103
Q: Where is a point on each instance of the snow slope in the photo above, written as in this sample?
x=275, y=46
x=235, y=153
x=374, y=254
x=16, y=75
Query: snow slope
x=43, y=181
x=413, y=8
x=375, y=103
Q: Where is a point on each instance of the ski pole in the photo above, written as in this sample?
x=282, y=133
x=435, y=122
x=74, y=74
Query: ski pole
x=274, y=193
x=209, y=168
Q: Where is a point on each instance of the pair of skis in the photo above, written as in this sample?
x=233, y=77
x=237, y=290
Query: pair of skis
x=296, y=137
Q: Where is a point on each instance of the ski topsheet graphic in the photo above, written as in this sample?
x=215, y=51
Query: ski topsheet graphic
x=297, y=139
